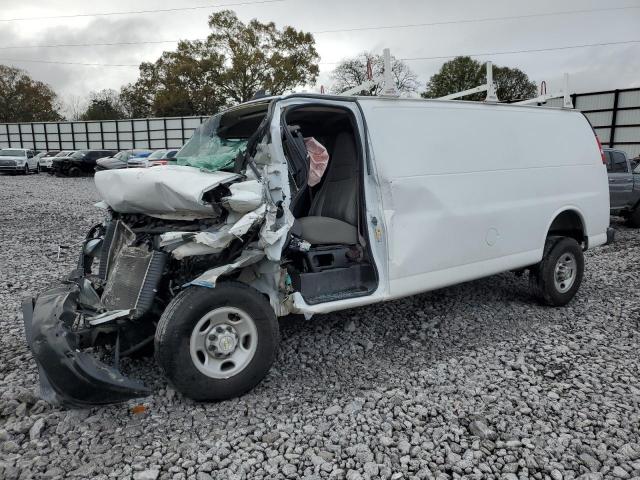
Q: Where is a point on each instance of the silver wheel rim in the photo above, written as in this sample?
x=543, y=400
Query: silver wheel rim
x=564, y=275
x=223, y=342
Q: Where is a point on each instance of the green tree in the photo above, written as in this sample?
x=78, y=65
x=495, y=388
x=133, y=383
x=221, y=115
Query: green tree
x=352, y=72
x=229, y=67
x=23, y=99
x=104, y=105
x=463, y=73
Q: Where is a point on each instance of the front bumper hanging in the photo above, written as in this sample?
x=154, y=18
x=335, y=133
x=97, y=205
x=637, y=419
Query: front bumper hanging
x=67, y=375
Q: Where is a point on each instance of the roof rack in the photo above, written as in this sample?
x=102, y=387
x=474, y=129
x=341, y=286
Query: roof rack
x=544, y=96
x=389, y=89
x=489, y=87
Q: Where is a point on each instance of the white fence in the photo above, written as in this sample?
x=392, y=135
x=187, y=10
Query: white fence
x=102, y=135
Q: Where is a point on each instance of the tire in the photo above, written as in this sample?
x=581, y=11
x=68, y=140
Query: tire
x=179, y=331
x=38, y=169
x=562, y=256
x=26, y=169
x=633, y=220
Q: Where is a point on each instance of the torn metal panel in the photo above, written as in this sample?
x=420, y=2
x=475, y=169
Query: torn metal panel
x=168, y=191
x=209, y=278
x=243, y=225
x=109, y=316
x=245, y=196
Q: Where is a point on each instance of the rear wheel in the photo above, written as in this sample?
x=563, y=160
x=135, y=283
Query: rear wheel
x=557, y=278
x=214, y=344
x=38, y=169
x=633, y=220
x=26, y=169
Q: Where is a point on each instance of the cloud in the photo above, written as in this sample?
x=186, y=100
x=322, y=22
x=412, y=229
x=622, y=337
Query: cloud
x=590, y=69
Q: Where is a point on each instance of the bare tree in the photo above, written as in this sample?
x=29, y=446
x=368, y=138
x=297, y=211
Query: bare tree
x=74, y=106
x=352, y=72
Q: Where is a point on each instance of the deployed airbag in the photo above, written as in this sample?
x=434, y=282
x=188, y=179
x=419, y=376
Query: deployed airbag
x=170, y=191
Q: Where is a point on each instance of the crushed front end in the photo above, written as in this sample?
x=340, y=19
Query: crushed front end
x=167, y=228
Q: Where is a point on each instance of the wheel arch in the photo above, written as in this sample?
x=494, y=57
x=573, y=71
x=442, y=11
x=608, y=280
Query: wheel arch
x=568, y=222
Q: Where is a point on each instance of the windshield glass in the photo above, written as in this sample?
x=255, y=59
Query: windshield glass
x=78, y=155
x=208, y=150
x=63, y=153
x=157, y=154
x=122, y=155
x=12, y=153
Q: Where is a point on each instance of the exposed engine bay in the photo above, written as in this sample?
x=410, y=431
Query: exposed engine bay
x=277, y=220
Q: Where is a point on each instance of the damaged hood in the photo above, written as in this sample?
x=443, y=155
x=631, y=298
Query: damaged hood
x=169, y=192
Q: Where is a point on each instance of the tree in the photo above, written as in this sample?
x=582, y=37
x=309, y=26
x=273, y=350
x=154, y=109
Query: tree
x=463, y=73
x=104, y=105
x=230, y=66
x=23, y=99
x=353, y=72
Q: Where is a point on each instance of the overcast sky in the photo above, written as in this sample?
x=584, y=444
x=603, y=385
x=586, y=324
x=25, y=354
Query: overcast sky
x=593, y=68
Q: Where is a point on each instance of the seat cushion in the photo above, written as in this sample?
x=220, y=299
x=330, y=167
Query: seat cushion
x=326, y=231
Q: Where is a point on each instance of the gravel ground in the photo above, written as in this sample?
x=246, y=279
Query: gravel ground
x=473, y=381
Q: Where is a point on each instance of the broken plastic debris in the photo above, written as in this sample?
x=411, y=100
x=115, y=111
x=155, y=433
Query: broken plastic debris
x=138, y=409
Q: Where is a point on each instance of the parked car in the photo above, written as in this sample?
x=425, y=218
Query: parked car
x=45, y=160
x=120, y=159
x=310, y=204
x=18, y=160
x=79, y=162
x=624, y=186
x=158, y=157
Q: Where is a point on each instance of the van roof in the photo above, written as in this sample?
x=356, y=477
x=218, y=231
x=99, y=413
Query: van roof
x=322, y=96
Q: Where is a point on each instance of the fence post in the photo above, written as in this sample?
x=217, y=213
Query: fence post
x=133, y=134
x=614, y=118
x=59, y=136
x=33, y=137
x=117, y=136
x=46, y=136
x=20, y=134
x=164, y=133
x=6, y=126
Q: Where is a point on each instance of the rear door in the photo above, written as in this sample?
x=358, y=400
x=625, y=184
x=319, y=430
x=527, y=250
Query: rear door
x=620, y=179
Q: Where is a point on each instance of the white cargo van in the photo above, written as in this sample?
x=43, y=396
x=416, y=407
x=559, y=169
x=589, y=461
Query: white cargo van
x=310, y=204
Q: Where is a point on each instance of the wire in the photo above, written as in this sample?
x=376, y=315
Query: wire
x=320, y=32
x=56, y=62
x=475, y=20
x=135, y=12
x=406, y=59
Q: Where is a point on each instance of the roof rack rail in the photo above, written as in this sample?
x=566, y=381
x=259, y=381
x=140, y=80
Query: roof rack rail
x=389, y=86
x=489, y=87
x=544, y=96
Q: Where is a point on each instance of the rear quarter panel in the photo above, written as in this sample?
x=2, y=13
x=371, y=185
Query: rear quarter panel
x=470, y=189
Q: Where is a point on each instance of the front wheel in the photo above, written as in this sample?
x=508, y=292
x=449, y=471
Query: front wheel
x=557, y=278
x=26, y=169
x=215, y=344
x=38, y=169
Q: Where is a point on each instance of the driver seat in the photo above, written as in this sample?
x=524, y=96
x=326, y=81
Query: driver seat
x=333, y=215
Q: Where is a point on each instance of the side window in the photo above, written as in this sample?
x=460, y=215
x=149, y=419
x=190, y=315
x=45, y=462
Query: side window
x=29, y=154
x=619, y=163
x=607, y=156
x=171, y=154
